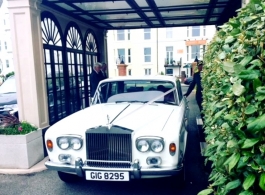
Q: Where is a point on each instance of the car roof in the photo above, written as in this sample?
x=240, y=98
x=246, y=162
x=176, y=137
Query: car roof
x=146, y=77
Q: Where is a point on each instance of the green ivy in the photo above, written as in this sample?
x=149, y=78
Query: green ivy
x=234, y=104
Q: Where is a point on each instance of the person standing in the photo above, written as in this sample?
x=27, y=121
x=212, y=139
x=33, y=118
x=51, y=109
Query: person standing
x=95, y=78
x=103, y=72
x=197, y=82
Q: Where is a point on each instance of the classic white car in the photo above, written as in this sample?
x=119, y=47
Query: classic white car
x=135, y=128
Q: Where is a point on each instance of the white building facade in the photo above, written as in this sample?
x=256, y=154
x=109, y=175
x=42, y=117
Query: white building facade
x=158, y=50
x=6, y=54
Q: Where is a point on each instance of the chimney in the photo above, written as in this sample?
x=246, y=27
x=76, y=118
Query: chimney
x=122, y=69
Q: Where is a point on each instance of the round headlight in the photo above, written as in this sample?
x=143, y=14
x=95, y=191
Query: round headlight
x=76, y=143
x=63, y=143
x=157, y=146
x=142, y=145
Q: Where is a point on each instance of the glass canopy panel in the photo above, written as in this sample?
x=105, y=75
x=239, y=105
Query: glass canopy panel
x=65, y=6
x=149, y=14
x=87, y=17
x=89, y=6
x=190, y=13
x=141, y=3
x=163, y=3
x=220, y=1
x=129, y=24
x=174, y=22
x=117, y=16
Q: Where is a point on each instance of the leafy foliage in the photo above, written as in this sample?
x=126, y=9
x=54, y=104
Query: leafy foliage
x=10, y=74
x=234, y=104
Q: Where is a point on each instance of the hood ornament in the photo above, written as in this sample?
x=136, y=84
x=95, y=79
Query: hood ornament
x=109, y=125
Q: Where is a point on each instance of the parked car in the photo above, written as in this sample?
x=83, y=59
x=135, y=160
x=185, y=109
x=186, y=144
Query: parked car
x=188, y=80
x=8, y=97
x=134, y=129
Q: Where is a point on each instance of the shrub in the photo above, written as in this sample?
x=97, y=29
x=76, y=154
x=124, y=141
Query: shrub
x=9, y=74
x=234, y=104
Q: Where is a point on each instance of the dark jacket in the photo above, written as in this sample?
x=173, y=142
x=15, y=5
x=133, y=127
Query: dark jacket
x=102, y=75
x=196, y=81
x=95, y=78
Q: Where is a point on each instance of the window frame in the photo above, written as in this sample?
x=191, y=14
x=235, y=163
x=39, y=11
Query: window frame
x=121, y=57
x=196, y=31
x=169, y=31
x=147, y=55
x=121, y=35
x=147, y=31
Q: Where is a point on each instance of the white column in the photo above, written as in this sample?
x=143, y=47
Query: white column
x=25, y=23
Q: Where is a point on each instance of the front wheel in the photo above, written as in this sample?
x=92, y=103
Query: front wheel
x=67, y=177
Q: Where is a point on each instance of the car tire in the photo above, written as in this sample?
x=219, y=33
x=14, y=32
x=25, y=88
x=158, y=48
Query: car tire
x=178, y=181
x=67, y=177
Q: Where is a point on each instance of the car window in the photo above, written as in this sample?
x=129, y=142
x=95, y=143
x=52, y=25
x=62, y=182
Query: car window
x=9, y=86
x=180, y=95
x=135, y=90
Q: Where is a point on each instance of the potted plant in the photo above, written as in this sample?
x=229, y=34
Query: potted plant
x=21, y=143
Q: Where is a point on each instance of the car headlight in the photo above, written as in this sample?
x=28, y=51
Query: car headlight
x=63, y=143
x=142, y=145
x=76, y=143
x=67, y=141
x=157, y=146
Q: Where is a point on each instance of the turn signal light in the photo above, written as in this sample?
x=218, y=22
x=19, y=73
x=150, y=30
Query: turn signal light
x=49, y=145
x=172, y=148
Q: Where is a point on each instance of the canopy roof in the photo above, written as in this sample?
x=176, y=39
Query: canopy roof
x=132, y=14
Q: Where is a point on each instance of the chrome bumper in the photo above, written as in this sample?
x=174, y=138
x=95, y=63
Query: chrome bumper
x=136, y=171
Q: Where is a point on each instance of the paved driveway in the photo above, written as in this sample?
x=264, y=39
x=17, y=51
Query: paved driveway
x=48, y=183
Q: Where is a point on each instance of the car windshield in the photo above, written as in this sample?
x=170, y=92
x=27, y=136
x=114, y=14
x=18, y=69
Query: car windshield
x=135, y=91
x=9, y=86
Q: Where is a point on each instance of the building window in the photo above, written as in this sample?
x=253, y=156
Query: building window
x=5, y=45
x=147, y=33
x=169, y=71
x=147, y=54
x=169, y=51
x=121, y=55
x=204, y=30
x=195, y=51
x=188, y=53
x=147, y=71
x=130, y=72
x=120, y=35
x=129, y=35
x=169, y=33
x=195, y=31
x=188, y=32
x=129, y=55
x=7, y=63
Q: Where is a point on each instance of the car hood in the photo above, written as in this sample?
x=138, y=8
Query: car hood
x=136, y=116
x=8, y=98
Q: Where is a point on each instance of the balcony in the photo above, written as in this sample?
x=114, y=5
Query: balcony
x=172, y=63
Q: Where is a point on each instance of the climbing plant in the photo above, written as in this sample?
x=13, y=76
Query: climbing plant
x=234, y=104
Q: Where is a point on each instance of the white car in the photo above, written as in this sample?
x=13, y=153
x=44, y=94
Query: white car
x=134, y=129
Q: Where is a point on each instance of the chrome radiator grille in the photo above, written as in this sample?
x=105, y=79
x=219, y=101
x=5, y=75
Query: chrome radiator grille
x=108, y=147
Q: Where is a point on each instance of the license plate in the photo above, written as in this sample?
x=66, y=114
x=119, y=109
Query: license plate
x=107, y=176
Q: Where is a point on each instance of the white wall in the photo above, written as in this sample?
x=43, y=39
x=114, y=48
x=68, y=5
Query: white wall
x=5, y=37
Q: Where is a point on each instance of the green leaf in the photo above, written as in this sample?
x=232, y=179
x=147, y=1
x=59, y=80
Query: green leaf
x=249, y=74
x=225, y=89
x=238, y=89
x=229, y=39
x=249, y=181
x=262, y=181
x=229, y=66
x=257, y=124
x=256, y=62
x=250, y=142
x=222, y=55
x=230, y=117
x=246, y=193
x=232, y=184
x=235, y=31
x=232, y=161
x=206, y=192
x=231, y=143
x=261, y=90
x=256, y=83
x=226, y=48
x=250, y=109
x=246, y=60
x=239, y=68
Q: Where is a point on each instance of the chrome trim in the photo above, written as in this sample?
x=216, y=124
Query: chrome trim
x=69, y=137
x=150, y=140
x=108, y=161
